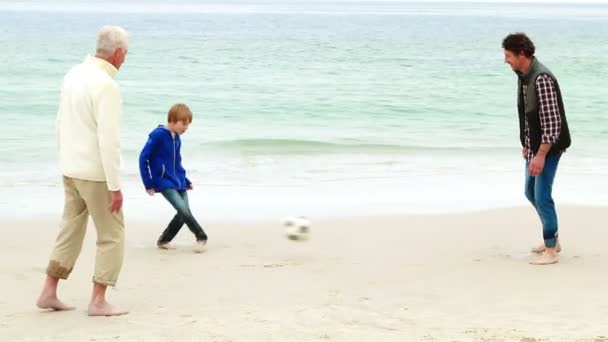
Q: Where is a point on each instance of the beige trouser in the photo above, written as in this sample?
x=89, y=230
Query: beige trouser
x=83, y=197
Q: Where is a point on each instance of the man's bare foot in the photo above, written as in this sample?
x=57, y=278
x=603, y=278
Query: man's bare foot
x=541, y=248
x=105, y=309
x=166, y=245
x=200, y=246
x=53, y=303
x=547, y=258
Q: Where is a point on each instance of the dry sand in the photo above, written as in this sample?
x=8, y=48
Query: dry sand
x=456, y=277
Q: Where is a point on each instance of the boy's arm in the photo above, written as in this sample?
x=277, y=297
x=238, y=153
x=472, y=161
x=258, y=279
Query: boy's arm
x=179, y=160
x=144, y=162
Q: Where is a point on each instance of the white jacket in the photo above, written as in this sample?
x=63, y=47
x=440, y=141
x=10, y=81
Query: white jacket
x=88, y=123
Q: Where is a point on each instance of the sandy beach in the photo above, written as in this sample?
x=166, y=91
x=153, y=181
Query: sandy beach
x=456, y=277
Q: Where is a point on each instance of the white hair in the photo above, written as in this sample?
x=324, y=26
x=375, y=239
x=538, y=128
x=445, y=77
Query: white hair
x=110, y=38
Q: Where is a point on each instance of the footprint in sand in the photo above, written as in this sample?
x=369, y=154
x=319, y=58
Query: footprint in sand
x=528, y=339
x=265, y=265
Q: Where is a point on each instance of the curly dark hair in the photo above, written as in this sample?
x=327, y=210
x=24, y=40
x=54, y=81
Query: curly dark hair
x=518, y=43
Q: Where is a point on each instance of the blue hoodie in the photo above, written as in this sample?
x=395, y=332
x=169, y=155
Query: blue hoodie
x=160, y=162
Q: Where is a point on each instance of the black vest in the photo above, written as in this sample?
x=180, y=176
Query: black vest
x=531, y=102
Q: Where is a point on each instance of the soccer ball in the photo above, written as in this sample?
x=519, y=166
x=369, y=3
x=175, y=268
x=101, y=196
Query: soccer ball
x=297, y=228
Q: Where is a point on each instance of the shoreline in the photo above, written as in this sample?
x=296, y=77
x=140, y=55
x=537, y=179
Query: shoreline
x=167, y=213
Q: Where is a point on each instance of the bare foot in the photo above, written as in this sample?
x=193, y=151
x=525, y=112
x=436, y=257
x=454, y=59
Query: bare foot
x=105, y=309
x=546, y=258
x=541, y=248
x=52, y=303
x=200, y=246
x=166, y=245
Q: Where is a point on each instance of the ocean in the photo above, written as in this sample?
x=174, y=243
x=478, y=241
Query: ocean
x=313, y=108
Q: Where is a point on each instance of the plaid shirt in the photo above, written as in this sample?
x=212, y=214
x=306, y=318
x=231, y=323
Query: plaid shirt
x=550, y=120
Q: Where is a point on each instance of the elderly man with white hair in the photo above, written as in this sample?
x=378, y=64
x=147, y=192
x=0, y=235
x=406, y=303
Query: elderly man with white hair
x=88, y=135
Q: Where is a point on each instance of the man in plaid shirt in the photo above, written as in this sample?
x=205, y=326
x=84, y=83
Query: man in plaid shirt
x=544, y=136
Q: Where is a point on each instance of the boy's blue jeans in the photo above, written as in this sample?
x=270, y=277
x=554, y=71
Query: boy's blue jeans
x=179, y=201
x=538, y=192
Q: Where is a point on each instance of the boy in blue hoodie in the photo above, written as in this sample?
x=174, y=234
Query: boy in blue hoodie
x=160, y=166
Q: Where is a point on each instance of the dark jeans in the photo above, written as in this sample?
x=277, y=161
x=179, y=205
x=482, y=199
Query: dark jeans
x=179, y=201
x=538, y=192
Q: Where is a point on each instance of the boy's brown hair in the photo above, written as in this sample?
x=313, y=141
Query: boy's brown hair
x=179, y=112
